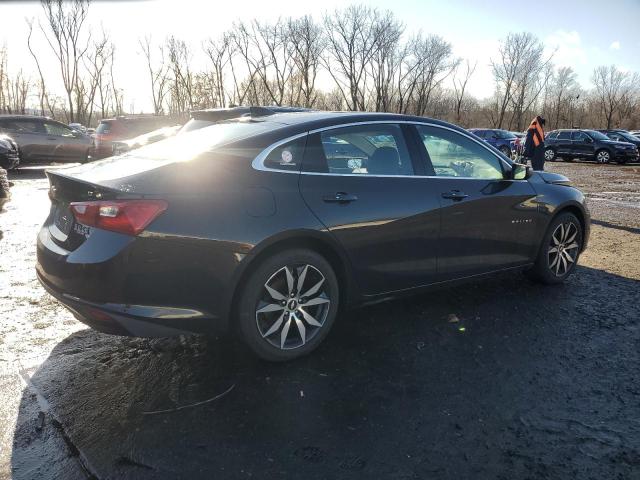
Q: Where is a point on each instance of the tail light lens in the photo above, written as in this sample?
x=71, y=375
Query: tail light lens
x=123, y=216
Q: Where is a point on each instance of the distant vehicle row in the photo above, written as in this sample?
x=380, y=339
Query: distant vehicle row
x=602, y=146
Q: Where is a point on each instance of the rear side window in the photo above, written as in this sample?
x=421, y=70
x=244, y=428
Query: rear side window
x=552, y=135
x=455, y=155
x=287, y=157
x=25, y=126
x=103, y=128
x=370, y=149
x=564, y=135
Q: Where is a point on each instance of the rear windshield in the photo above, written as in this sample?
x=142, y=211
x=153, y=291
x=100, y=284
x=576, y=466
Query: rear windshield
x=195, y=124
x=189, y=145
x=104, y=127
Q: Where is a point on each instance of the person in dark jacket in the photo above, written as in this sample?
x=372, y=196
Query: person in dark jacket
x=534, y=143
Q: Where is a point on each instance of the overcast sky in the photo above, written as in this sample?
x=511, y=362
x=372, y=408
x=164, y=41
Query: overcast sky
x=585, y=35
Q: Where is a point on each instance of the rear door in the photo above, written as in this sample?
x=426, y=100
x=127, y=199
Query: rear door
x=65, y=145
x=563, y=143
x=366, y=185
x=488, y=221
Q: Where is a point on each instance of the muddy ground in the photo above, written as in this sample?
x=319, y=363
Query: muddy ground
x=499, y=379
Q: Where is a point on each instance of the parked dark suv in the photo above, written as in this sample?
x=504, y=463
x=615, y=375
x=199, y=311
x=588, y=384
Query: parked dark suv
x=620, y=135
x=42, y=139
x=503, y=140
x=588, y=145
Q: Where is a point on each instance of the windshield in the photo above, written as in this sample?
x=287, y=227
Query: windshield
x=596, y=135
x=194, y=124
x=628, y=136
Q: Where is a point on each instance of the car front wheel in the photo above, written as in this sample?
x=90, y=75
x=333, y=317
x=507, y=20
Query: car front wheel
x=549, y=155
x=288, y=305
x=559, y=251
x=603, y=156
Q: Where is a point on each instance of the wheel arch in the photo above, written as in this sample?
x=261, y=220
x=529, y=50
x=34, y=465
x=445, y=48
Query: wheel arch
x=575, y=209
x=318, y=242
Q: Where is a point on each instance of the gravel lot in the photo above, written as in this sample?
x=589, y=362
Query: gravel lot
x=499, y=379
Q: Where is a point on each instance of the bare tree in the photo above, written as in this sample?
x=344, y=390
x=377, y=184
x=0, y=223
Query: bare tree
x=181, y=88
x=351, y=44
x=219, y=53
x=385, y=62
x=562, y=89
x=65, y=22
x=157, y=74
x=460, y=86
x=308, y=44
x=515, y=72
x=613, y=87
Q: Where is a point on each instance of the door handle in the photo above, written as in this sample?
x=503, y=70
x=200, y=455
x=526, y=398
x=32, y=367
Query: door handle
x=340, y=197
x=455, y=195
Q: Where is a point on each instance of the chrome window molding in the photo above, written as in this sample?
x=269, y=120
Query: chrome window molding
x=258, y=162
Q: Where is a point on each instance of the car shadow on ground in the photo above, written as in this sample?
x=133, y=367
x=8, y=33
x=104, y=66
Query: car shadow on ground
x=497, y=379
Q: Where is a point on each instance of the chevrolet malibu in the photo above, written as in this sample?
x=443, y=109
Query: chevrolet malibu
x=271, y=224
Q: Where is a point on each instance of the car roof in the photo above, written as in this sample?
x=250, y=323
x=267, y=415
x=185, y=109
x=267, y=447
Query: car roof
x=28, y=117
x=316, y=119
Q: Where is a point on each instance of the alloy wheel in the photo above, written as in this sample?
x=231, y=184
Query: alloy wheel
x=563, y=248
x=293, y=306
x=549, y=154
x=603, y=157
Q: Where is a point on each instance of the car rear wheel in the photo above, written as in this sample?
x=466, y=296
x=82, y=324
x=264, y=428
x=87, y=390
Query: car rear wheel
x=603, y=156
x=288, y=305
x=559, y=251
x=549, y=155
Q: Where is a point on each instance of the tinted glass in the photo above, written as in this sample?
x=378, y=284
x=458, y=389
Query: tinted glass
x=553, y=135
x=26, y=126
x=578, y=136
x=596, y=135
x=503, y=134
x=104, y=127
x=287, y=156
x=57, y=130
x=564, y=135
x=455, y=155
x=364, y=150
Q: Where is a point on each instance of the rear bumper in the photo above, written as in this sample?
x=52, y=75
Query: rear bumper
x=102, y=284
x=135, y=320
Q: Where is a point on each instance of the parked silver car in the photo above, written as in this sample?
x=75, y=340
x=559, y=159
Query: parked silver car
x=42, y=139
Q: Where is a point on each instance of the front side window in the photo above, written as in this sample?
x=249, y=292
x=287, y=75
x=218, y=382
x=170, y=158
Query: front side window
x=564, y=135
x=368, y=149
x=58, y=130
x=455, y=155
x=552, y=135
x=579, y=137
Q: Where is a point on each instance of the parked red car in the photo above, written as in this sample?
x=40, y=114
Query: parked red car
x=121, y=128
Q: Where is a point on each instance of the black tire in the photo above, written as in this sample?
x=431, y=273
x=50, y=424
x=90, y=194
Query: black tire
x=549, y=154
x=603, y=156
x=255, y=326
x=545, y=270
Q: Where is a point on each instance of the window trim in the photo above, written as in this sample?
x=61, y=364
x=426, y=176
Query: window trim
x=258, y=161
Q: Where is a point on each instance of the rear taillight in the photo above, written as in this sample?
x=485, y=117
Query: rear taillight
x=123, y=216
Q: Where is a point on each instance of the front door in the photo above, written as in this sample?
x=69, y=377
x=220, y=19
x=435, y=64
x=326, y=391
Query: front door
x=582, y=144
x=488, y=221
x=362, y=183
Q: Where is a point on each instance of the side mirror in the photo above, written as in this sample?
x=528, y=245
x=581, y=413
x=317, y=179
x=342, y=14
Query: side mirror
x=520, y=172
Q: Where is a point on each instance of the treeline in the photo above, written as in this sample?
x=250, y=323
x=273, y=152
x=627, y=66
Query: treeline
x=367, y=56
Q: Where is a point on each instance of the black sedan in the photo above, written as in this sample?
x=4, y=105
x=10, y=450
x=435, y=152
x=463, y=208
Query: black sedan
x=269, y=226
